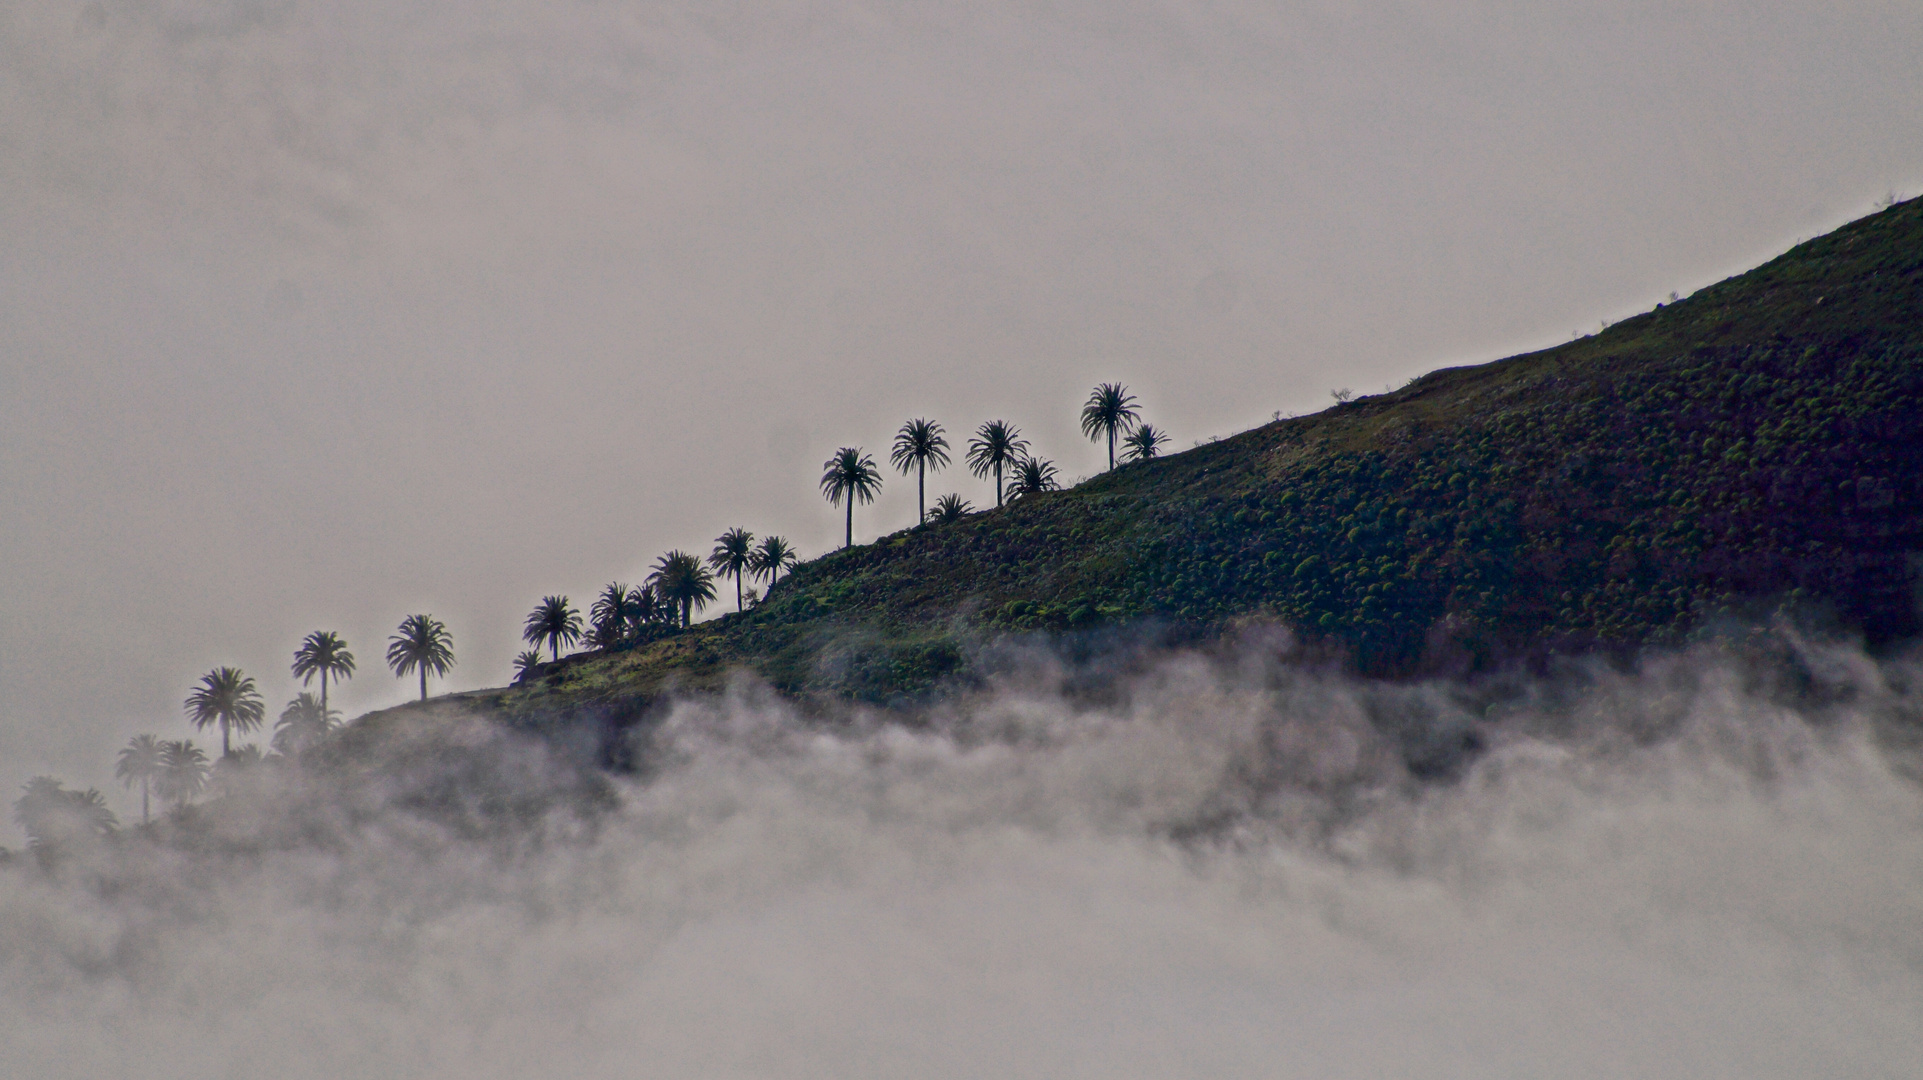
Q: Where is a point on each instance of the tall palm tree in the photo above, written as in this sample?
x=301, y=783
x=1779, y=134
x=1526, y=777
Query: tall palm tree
x=183, y=771
x=139, y=763
x=1110, y=409
x=995, y=444
x=555, y=621
x=323, y=653
x=302, y=724
x=681, y=580
x=527, y=664
x=423, y=644
x=226, y=697
x=949, y=508
x=771, y=558
x=848, y=476
x=1144, y=443
x=732, y=555
x=918, y=445
x=1032, y=477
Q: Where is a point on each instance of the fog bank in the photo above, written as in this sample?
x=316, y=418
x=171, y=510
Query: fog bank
x=1704, y=868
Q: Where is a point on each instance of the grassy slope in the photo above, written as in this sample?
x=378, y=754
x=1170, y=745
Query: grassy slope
x=1760, y=440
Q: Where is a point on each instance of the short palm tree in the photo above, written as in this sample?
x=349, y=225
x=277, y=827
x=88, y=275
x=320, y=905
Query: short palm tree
x=846, y=477
x=56, y=819
x=996, y=444
x=611, y=614
x=1144, y=443
x=139, y=763
x=422, y=644
x=302, y=724
x=527, y=665
x=1110, y=410
x=1032, y=477
x=681, y=580
x=918, y=445
x=183, y=772
x=646, y=607
x=226, y=697
x=949, y=508
x=771, y=558
x=733, y=554
x=323, y=653
x=555, y=621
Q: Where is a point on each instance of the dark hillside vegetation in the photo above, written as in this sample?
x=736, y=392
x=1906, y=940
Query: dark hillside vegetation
x=1754, y=446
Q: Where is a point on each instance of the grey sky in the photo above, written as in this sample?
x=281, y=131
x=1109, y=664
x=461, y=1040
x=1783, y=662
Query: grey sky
x=312, y=316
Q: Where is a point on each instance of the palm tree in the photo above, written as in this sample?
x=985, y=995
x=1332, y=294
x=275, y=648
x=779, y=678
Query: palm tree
x=527, y=665
x=1144, y=443
x=1033, y=476
x=56, y=819
x=949, y=508
x=554, y=620
x=771, y=558
x=613, y=610
x=226, y=697
x=681, y=580
x=995, y=444
x=139, y=763
x=422, y=643
x=646, y=606
x=323, y=653
x=733, y=553
x=919, y=444
x=1110, y=409
x=183, y=771
x=850, y=475
x=302, y=724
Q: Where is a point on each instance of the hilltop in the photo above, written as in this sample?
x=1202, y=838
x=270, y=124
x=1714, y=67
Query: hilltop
x=1754, y=446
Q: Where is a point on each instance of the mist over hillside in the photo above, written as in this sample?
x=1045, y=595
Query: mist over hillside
x=1705, y=866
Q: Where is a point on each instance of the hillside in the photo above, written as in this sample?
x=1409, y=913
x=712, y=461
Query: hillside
x=1755, y=445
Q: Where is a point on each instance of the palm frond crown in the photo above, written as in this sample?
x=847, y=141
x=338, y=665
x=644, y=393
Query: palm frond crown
x=772, y=558
x=1032, y=477
x=226, y=696
x=1144, y=442
x=555, y=621
x=680, y=579
x=850, y=476
x=323, y=653
x=949, y=508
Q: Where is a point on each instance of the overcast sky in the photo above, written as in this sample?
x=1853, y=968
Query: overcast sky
x=316, y=315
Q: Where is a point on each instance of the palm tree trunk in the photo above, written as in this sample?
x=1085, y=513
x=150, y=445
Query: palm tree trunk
x=738, y=606
x=1111, y=448
x=998, y=485
x=143, y=800
x=224, y=751
x=921, y=490
x=323, y=692
x=423, y=682
x=849, y=541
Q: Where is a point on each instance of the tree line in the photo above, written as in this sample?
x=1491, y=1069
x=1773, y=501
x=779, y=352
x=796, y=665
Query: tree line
x=177, y=772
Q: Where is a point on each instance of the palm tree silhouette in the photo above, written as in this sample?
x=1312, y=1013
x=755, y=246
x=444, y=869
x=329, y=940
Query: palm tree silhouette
x=226, y=697
x=771, y=558
x=555, y=621
x=733, y=553
x=302, y=724
x=183, y=772
x=681, y=580
x=1144, y=443
x=1032, y=477
x=611, y=614
x=949, y=508
x=422, y=644
x=1110, y=409
x=995, y=444
x=918, y=445
x=647, y=606
x=139, y=763
x=850, y=475
x=323, y=653
x=527, y=664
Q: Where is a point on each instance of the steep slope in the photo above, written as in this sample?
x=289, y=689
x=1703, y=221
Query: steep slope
x=1755, y=445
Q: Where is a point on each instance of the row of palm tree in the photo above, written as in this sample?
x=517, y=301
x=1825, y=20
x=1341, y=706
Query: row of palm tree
x=997, y=449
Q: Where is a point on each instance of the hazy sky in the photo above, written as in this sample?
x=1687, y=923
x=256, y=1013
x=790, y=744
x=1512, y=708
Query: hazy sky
x=313, y=316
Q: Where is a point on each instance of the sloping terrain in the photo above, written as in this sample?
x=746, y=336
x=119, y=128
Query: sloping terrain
x=1755, y=445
